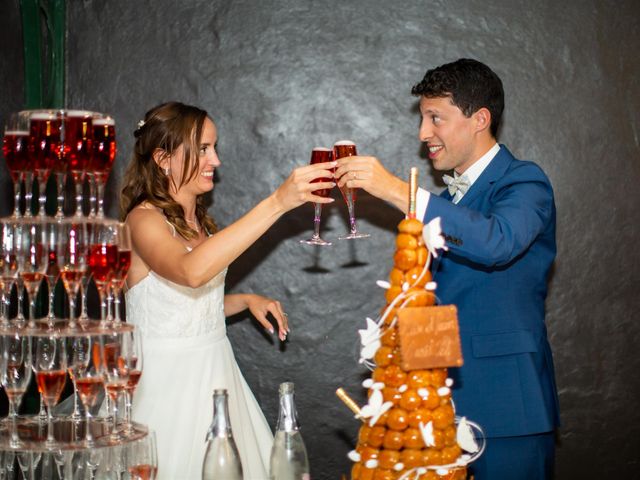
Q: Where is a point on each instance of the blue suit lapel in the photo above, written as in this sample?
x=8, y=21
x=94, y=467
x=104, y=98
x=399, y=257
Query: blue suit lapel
x=495, y=170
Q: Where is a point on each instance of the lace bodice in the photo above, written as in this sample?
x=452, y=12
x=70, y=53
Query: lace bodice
x=163, y=309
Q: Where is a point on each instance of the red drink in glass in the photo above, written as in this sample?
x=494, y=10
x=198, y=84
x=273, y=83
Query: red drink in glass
x=104, y=148
x=321, y=155
x=88, y=389
x=345, y=148
x=50, y=385
x=44, y=143
x=16, y=153
x=103, y=261
x=78, y=134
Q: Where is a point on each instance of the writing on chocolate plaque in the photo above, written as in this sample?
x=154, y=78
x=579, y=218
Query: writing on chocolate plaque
x=429, y=337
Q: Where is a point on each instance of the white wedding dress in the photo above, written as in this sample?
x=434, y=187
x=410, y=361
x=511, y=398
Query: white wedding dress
x=186, y=356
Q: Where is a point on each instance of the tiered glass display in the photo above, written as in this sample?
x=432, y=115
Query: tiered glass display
x=86, y=436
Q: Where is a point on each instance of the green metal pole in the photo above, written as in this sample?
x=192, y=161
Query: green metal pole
x=32, y=53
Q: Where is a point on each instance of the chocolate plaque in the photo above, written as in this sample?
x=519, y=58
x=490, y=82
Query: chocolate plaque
x=429, y=337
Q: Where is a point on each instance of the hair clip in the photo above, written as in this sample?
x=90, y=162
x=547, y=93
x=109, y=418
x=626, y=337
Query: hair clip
x=138, y=130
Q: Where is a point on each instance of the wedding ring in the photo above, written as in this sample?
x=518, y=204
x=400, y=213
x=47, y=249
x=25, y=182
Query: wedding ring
x=354, y=175
x=285, y=314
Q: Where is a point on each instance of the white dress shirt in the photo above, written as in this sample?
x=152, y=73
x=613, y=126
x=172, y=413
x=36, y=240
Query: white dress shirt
x=472, y=174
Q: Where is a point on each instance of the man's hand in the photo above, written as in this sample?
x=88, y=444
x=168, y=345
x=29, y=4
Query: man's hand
x=370, y=175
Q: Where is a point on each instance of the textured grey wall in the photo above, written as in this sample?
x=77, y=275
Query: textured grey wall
x=281, y=77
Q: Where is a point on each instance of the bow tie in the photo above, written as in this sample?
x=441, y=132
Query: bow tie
x=460, y=183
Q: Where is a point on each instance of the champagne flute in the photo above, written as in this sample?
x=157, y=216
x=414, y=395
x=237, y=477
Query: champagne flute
x=44, y=148
x=79, y=348
x=116, y=375
x=16, y=153
x=52, y=272
x=142, y=457
x=89, y=382
x=15, y=368
x=8, y=266
x=32, y=260
x=134, y=361
x=346, y=148
x=72, y=260
x=77, y=149
x=104, y=153
x=51, y=373
x=319, y=155
x=120, y=274
x=103, y=261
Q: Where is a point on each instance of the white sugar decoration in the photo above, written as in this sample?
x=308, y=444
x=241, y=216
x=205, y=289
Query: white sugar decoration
x=405, y=286
x=375, y=408
x=433, y=239
x=444, y=391
x=463, y=459
x=465, y=438
x=354, y=456
x=427, y=434
x=370, y=340
x=431, y=286
x=421, y=471
x=383, y=284
x=377, y=386
x=424, y=393
x=371, y=463
x=367, y=383
x=403, y=388
x=442, y=472
x=448, y=382
x=398, y=466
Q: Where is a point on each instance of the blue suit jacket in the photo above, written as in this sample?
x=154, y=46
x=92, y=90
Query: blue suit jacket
x=501, y=239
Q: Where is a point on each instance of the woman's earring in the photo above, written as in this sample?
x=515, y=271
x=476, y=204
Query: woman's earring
x=166, y=171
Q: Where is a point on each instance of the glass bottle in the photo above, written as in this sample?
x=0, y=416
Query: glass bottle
x=221, y=459
x=288, y=455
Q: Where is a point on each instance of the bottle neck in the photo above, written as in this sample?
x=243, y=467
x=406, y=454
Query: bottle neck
x=221, y=426
x=288, y=417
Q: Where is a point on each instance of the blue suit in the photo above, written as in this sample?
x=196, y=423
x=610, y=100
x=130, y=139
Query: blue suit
x=501, y=240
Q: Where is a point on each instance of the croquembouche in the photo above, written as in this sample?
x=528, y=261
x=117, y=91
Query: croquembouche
x=410, y=429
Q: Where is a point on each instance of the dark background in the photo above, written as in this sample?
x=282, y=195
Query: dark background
x=279, y=78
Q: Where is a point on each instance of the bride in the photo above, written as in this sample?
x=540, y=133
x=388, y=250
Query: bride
x=175, y=288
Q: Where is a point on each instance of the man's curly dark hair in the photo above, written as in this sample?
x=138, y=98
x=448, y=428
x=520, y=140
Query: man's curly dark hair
x=470, y=84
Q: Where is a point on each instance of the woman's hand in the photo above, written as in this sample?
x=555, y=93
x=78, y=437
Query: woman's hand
x=259, y=307
x=297, y=189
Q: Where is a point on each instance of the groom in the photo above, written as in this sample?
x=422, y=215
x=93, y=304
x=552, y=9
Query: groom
x=498, y=217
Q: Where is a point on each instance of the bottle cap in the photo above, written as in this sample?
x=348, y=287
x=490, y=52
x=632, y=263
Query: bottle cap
x=286, y=387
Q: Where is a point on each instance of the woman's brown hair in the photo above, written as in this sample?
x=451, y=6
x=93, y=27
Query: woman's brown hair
x=165, y=127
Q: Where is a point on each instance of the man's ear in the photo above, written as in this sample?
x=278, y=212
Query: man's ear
x=483, y=119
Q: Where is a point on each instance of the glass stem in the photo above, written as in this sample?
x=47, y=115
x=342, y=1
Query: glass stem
x=352, y=213
x=84, y=316
x=60, y=179
x=52, y=291
x=88, y=437
x=116, y=305
x=76, y=415
x=93, y=203
x=15, y=441
x=316, y=220
x=72, y=308
x=128, y=398
x=32, y=310
x=20, y=315
x=100, y=188
x=50, y=438
x=78, y=185
x=17, y=187
x=42, y=197
x=28, y=195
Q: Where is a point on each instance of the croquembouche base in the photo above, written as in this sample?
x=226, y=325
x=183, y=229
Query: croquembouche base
x=410, y=429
